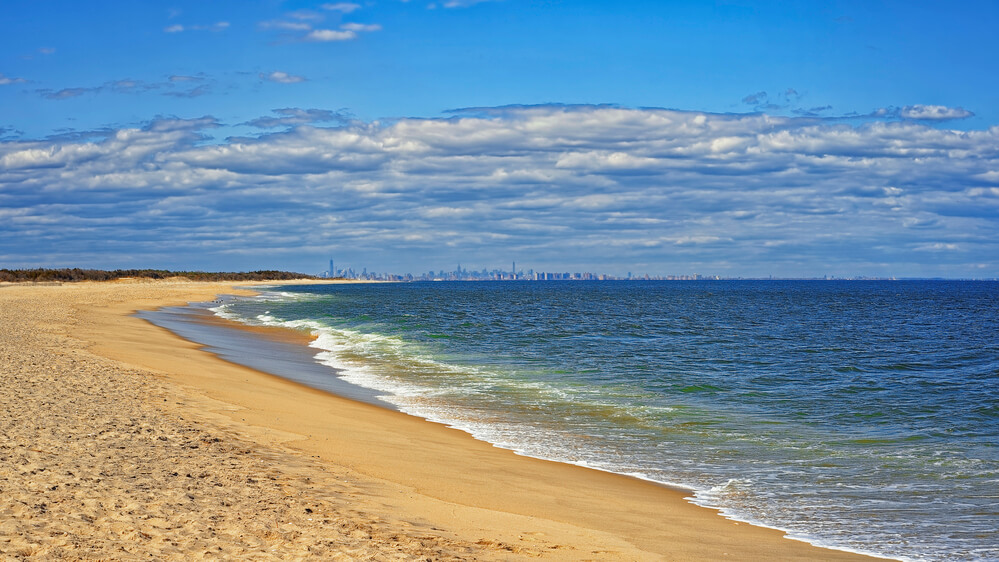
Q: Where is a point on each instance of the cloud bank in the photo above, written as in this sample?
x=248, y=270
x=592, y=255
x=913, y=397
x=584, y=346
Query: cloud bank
x=555, y=187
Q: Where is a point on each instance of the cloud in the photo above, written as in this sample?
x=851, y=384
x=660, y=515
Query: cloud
x=324, y=35
x=6, y=80
x=303, y=28
x=937, y=247
x=9, y=133
x=130, y=86
x=789, y=101
x=786, y=99
x=65, y=93
x=177, y=28
x=282, y=77
x=755, y=99
x=344, y=7
x=811, y=111
x=740, y=194
x=169, y=87
x=306, y=15
x=930, y=113
x=462, y=3
x=173, y=124
x=934, y=112
x=197, y=91
x=286, y=25
x=361, y=27
x=512, y=110
x=293, y=116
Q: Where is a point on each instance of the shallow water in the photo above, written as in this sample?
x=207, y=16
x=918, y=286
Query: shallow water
x=257, y=351
x=857, y=415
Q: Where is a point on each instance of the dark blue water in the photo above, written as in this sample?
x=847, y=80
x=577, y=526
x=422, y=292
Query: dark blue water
x=857, y=415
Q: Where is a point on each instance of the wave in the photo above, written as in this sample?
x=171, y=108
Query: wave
x=601, y=426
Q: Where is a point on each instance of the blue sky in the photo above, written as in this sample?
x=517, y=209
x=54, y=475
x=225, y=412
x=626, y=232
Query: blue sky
x=729, y=138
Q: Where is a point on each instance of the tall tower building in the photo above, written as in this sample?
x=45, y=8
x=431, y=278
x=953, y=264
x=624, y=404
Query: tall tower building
x=332, y=271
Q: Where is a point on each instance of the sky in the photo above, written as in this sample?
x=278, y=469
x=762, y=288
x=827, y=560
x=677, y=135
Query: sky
x=792, y=139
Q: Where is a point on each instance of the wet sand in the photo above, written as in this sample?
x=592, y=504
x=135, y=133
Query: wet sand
x=124, y=441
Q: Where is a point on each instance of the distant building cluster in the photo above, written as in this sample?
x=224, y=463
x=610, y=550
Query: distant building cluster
x=485, y=274
x=513, y=274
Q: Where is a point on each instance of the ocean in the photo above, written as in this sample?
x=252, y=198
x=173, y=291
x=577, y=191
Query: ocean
x=858, y=415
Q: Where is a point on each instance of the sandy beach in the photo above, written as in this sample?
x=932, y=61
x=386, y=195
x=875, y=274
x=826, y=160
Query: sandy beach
x=121, y=440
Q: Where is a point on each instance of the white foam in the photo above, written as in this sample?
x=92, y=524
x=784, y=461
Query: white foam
x=528, y=440
x=366, y=360
x=222, y=311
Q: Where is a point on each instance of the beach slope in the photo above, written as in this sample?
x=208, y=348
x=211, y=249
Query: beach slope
x=123, y=441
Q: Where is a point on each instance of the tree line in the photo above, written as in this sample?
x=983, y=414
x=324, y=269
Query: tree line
x=77, y=274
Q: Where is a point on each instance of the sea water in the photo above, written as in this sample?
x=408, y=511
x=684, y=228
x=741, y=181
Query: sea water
x=856, y=415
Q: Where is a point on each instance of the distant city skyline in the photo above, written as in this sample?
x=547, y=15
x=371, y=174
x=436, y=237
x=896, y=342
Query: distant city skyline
x=530, y=274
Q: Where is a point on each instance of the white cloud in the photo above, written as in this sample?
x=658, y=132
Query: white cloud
x=550, y=183
x=934, y=112
x=345, y=7
x=282, y=77
x=286, y=25
x=177, y=28
x=323, y=35
x=5, y=80
x=937, y=247
x=361, y=27
x=306, y=32
x=463, y=3
x=306, y=15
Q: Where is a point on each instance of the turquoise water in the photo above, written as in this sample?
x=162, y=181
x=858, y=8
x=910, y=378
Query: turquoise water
x=856, y=415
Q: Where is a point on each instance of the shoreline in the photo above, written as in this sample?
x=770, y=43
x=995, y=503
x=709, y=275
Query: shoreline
x=278, y=351
x=302, y=337
x=433, y=478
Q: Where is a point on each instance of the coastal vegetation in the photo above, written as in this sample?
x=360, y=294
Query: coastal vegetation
x=76, y=274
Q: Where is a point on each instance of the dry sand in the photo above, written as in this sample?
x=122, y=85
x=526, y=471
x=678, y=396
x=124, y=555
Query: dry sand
x=119, y=440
